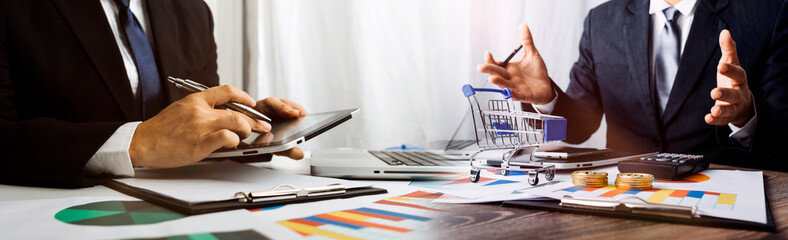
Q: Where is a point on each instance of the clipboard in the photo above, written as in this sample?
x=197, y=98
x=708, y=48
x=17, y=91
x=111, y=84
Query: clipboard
x=279, y=195
x=679, y=216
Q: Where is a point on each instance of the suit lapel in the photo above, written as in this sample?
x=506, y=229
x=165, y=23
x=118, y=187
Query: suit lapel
x=164, y=25
x=89, y=23
x=700, y=46
x=637, y=43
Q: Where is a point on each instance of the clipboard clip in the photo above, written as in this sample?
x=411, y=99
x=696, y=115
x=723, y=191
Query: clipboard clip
x=287, y=191
x=642, y=207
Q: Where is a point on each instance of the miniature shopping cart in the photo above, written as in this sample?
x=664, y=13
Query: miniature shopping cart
x=500, y=126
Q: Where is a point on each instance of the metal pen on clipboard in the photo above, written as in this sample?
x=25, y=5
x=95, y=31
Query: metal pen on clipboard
x=642, y=207
x=287, y=191
x=193, y=86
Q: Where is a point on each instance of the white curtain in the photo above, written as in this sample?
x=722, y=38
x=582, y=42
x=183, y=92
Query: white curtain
x=402, y=62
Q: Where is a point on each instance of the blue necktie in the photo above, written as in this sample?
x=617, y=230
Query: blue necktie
x=667, y=57
x=150, y=85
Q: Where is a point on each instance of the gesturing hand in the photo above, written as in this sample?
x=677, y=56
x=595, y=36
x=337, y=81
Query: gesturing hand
x=190, y=129
x=278, y=108
x=733, y=98
x=527, y=78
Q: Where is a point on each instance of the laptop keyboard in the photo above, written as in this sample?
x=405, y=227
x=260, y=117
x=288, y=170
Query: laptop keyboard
x=413, y=158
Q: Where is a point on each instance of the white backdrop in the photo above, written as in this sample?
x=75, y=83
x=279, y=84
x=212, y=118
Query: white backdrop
x=402, y=62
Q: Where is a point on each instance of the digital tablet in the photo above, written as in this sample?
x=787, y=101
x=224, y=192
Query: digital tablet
x=286, y=134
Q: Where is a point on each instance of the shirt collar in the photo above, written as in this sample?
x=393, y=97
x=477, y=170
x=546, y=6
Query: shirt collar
x=685, y=7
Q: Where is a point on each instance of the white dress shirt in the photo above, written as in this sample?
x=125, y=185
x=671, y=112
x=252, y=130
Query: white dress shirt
x=113, y=156
x=687, y=9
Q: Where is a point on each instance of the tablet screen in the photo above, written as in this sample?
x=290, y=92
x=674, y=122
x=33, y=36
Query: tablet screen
x=288, y=130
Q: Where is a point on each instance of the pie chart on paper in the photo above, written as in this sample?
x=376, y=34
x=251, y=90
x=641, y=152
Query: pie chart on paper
x=116, y=213
x=695, y=178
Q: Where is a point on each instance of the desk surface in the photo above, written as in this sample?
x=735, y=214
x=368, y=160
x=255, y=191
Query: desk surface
x=490, y=221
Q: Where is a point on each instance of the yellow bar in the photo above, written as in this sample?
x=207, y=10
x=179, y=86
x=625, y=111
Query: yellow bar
x=609, y=187
x=348, y=215
x=725, y=198
x=401, y=199
x=660, y=196
x=313, y=230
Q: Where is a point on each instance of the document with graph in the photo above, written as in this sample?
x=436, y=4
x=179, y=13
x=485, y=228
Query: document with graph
x=729, y=194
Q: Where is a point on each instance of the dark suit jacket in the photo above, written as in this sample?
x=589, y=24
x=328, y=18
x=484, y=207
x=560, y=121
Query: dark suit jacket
x=611, y=77
x=63, y=86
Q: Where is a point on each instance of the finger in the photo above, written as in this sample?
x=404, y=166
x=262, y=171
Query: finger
x=527, y=40
x=493, y=69
x=215, y=140
x=301, y=110
x=279, y=108
x=220, y=95
x=488, y=58
x=722, y=111
x=716, y=121
x=293, y=153
x=235, y=122
x=502, y=83
x=729, y=95
x=728, y=47
x=735, y=73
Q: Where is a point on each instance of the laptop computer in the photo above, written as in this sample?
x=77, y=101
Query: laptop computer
x=441, y=159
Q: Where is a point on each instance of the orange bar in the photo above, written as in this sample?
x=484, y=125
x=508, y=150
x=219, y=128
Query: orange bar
x=362, y=223
x=679, y=193
x=375, y=215
x=613, y=193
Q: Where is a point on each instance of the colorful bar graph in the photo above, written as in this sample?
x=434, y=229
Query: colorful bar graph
x=701, y=199
x=369, y=222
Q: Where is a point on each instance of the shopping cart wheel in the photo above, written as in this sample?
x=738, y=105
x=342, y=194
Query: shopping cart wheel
x=549, y=174
x=475, y=175
x=533, y=178
x=505, y=172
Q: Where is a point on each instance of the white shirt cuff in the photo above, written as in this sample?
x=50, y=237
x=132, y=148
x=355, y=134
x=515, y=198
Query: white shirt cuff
x=743, y=135
x=548, y=107
x=113, y=157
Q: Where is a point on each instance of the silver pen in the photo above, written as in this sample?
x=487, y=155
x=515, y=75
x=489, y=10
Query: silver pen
x=193, y=86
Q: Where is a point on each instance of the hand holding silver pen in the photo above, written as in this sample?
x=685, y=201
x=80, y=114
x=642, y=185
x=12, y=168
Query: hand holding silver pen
x=193, y=86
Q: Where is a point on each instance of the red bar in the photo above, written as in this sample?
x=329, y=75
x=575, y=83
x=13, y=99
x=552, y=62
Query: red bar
x=305, y=222
x=387, y=202
x=713, y=193
x=589, y=189
x=423, y=194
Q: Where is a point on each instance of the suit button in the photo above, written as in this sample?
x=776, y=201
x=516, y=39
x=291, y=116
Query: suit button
x=655, y=142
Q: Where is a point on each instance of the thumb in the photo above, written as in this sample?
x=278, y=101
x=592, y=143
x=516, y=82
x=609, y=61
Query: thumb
x=527, y=40
x=728, y=48
x=488, y=58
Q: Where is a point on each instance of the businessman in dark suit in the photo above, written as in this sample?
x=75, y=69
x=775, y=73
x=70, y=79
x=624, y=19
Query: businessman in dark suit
x=666, y=74
x=83, y=90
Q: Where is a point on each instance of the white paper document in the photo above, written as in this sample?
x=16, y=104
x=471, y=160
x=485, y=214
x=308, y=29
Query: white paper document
x=730, y=194
x=220, y=181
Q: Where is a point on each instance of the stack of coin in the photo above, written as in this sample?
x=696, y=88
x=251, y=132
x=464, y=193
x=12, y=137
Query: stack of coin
x=634, y=181
x=589, y=178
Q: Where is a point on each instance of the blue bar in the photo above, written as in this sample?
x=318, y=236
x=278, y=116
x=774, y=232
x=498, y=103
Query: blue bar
x=574, y=189
x=332, y=222
x=695, y=194
x=393, y=214
x=633, y=192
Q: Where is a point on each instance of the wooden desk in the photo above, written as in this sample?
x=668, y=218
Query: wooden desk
x=490, y=221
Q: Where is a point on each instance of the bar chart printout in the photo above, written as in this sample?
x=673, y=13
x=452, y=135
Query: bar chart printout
x=701, y=199
x=389, y=218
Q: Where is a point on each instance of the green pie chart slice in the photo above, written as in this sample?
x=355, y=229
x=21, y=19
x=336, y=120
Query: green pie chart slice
x=116, y=213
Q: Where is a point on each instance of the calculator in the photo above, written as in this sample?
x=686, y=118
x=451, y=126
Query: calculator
x=671, y=166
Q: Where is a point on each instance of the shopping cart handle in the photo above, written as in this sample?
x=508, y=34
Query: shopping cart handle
x=468, y=90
